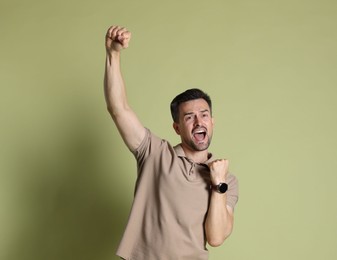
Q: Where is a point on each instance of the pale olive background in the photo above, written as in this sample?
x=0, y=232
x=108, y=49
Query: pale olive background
x=67, y=180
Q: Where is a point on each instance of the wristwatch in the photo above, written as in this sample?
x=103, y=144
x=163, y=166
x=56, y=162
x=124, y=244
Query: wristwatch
x=221, y=187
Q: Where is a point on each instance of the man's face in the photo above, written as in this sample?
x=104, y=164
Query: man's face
x=195, y=125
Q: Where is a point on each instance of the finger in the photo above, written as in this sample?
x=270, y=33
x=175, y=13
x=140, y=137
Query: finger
x=109, y=32
x=120, y=31
x=119, y=34
x=121, y=38
x=124, y=42
x=123, y=35
x=127, y=34
x=114, y=32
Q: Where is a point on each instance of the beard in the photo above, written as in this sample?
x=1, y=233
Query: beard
x=199, y=146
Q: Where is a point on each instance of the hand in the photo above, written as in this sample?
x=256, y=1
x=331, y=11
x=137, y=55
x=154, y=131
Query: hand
x=116, y=39
x=219, y=170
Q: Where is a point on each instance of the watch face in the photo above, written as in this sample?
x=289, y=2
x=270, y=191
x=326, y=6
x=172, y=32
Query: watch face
x=222, y=187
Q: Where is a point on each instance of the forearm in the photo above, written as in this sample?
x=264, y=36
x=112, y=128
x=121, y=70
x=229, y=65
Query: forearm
x=114, y=88
x=219, y=220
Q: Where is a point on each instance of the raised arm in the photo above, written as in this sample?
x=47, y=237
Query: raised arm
x=127, y=122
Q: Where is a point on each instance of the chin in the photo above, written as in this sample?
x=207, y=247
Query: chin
x=201, y=147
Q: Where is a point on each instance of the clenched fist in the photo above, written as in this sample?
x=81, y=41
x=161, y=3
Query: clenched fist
x=219, y=171
x=116, y=39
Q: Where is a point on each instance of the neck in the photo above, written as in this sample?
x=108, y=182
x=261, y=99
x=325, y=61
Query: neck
x=195, y=156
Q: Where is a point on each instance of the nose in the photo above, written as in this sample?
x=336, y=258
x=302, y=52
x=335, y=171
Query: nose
x=196, y=120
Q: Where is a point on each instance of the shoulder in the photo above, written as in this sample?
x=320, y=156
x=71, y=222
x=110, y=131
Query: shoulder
x=151, y=144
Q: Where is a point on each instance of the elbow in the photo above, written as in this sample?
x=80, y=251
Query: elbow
x=113, y=112
x=110, y=110
x=117, y=110
x=215, y=241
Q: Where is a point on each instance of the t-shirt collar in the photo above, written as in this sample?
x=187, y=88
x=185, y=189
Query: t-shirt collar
x=180, y=152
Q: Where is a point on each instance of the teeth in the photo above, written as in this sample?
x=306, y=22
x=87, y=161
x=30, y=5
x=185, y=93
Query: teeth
x=199, y=131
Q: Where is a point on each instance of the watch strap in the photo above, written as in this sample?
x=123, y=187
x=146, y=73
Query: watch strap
x=221, y=187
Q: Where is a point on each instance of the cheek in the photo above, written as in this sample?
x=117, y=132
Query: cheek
x=210, y=126
x=185, y=129
x=182, y=129
x=211, y=122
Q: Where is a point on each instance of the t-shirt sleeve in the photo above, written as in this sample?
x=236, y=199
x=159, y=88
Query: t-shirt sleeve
x=141, y=149
x=233, y=191
x=149, y=148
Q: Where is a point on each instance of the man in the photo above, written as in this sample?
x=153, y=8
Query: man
x=184, y=198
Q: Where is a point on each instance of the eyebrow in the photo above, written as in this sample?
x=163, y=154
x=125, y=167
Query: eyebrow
x=205, y=110
x=201, y=111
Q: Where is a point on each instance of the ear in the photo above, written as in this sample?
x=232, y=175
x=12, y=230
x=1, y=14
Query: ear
x=176, y=128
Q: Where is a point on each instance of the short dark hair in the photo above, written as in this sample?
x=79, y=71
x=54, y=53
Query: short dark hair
x=188, y=95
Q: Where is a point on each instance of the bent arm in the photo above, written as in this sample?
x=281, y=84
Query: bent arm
x=220, y=217
x=219, y=221
x=127, y=122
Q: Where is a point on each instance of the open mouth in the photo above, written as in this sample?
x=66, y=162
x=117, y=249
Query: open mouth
x=199, y=134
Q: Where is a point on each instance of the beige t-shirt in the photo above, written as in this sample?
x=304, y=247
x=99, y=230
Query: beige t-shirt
x=171, y=200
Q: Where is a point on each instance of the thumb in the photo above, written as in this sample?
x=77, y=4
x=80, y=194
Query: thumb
x=124, y=41
x=120, y=38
